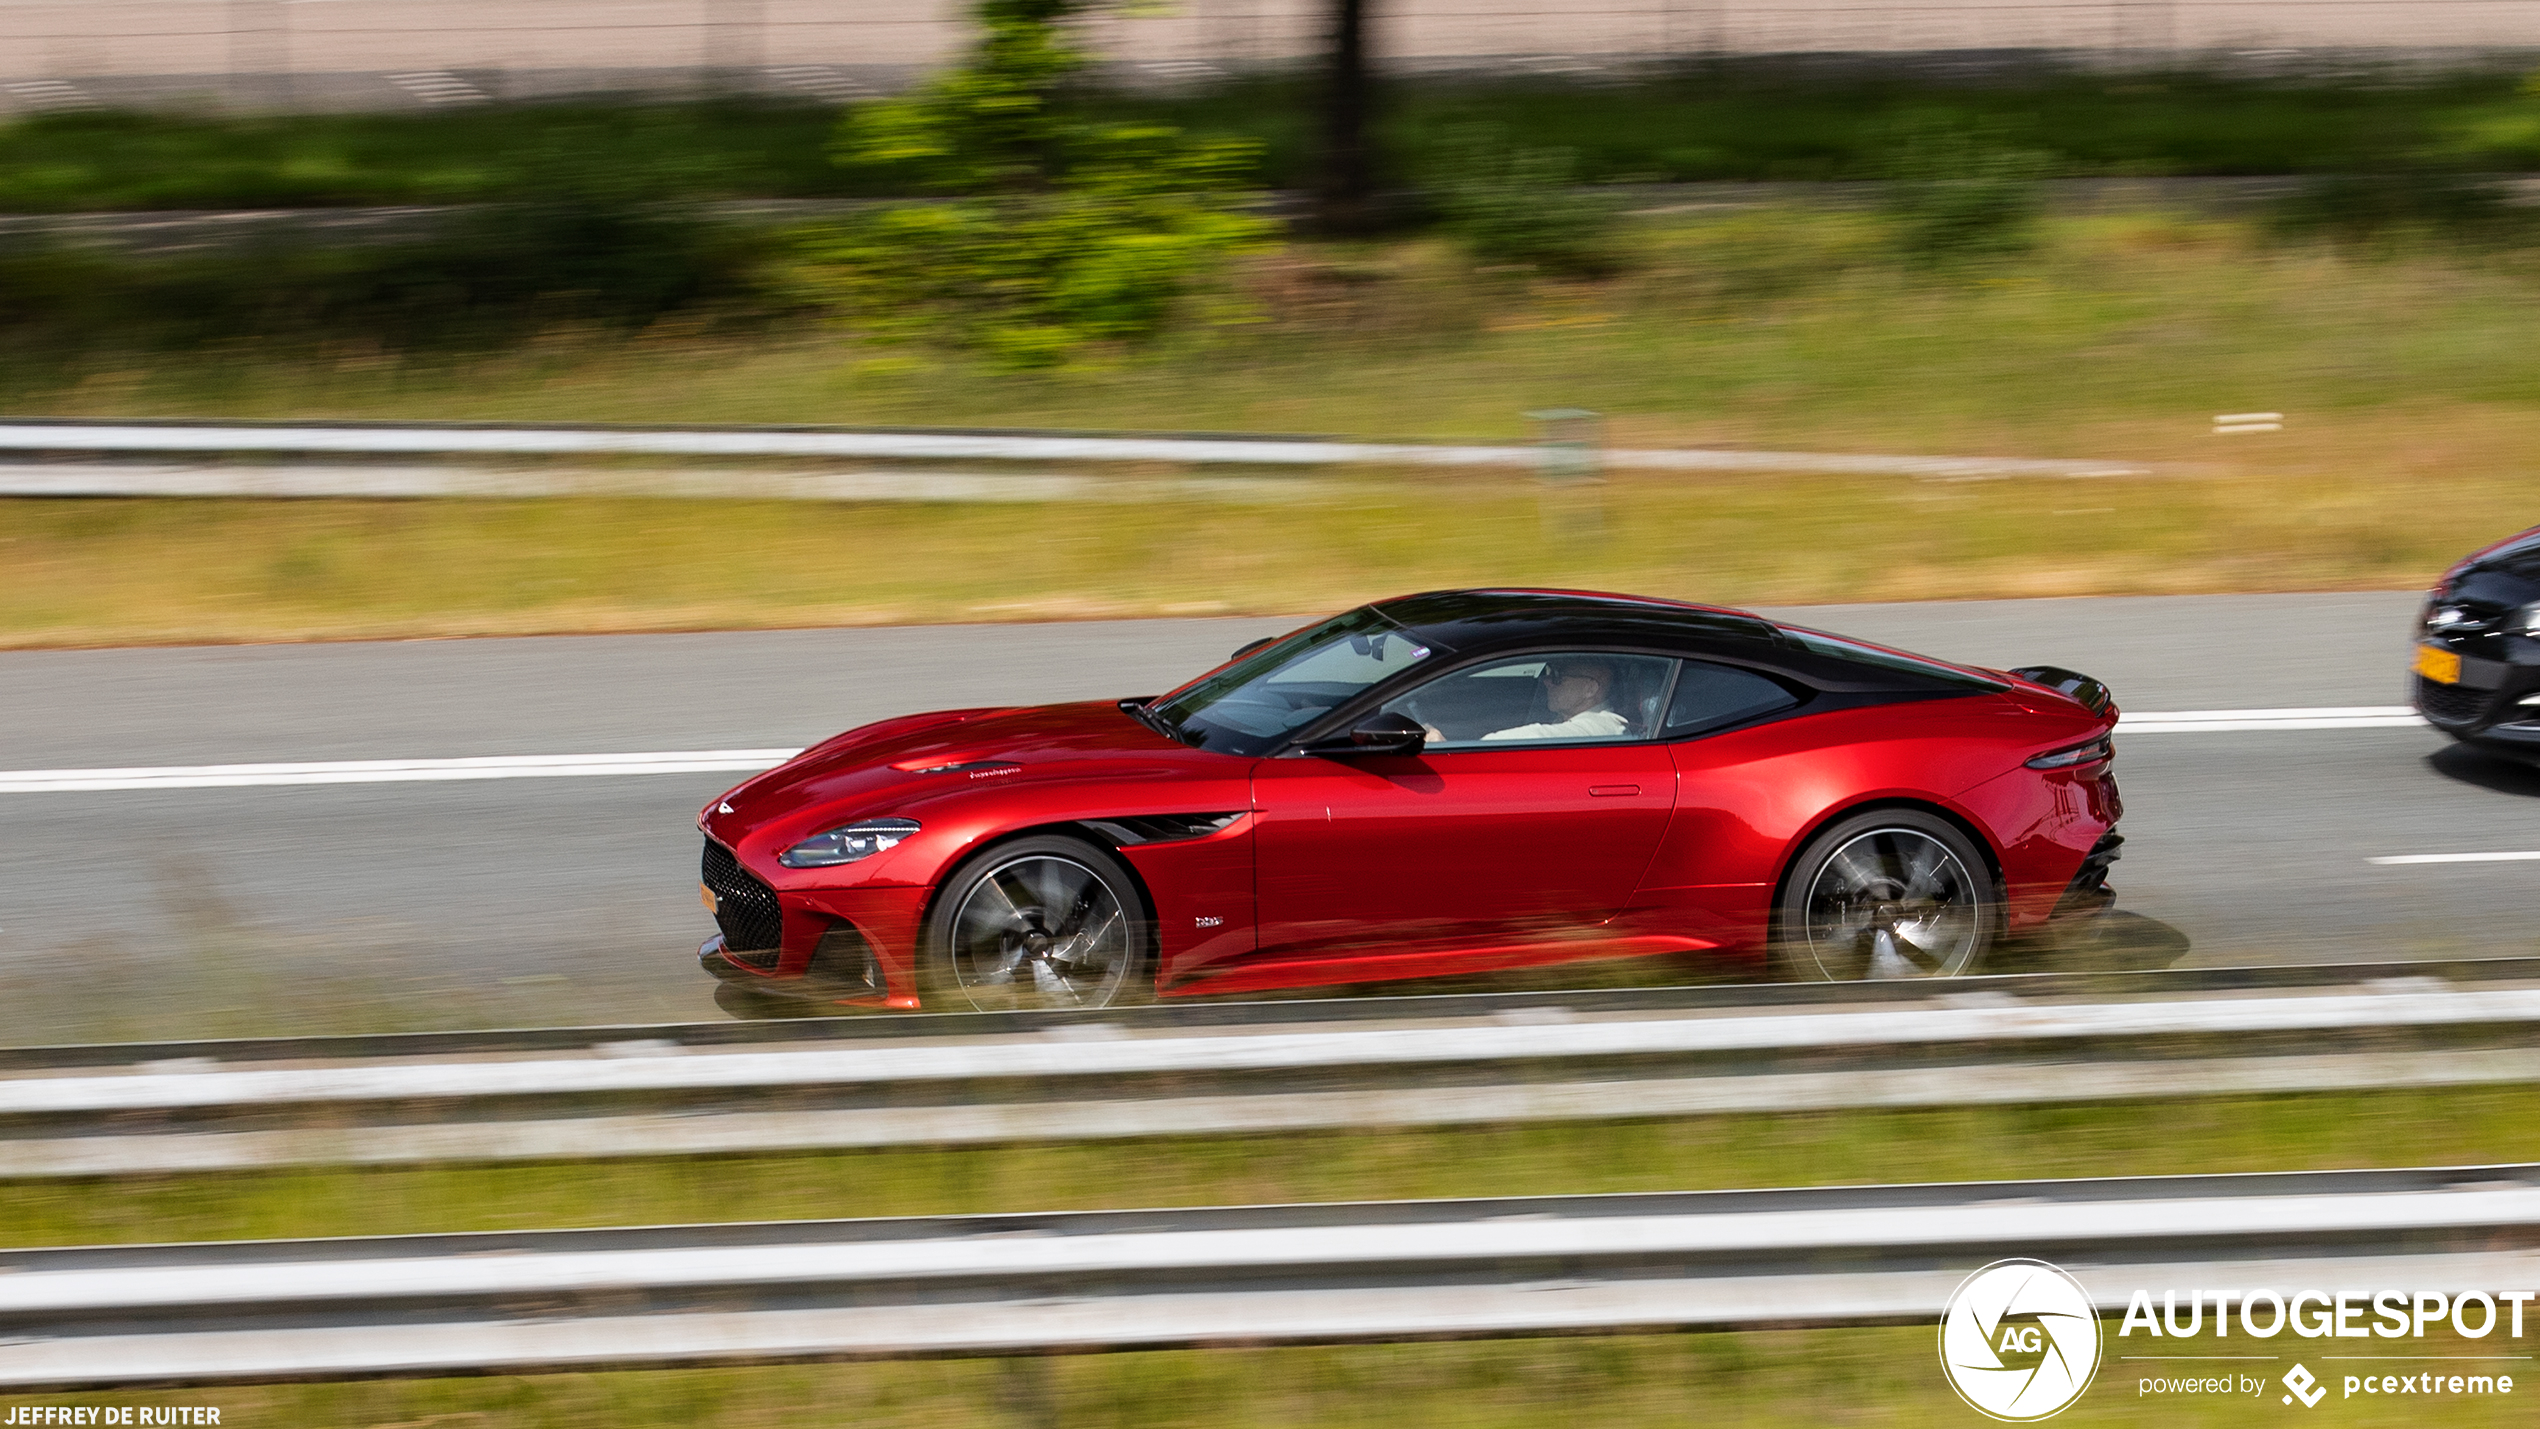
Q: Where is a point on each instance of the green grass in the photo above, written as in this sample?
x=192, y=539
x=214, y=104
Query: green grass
x=2209, y=1135
x=2411, y=389
x=1800, y=1378
x=2120, y=337
x=1752, y=121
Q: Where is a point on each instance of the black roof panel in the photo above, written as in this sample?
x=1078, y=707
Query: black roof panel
x=1476, y=620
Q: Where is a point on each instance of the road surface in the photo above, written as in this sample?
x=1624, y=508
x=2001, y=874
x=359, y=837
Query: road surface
x=193, y=911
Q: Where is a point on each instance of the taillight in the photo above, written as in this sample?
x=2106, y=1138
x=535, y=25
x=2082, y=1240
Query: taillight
x=2094, y=752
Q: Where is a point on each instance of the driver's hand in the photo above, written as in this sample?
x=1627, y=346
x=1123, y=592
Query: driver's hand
x=1434, y=735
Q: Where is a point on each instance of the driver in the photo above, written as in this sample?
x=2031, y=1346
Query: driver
x=1579, y=693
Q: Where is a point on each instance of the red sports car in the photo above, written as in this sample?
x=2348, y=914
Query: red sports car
x=1445, y=783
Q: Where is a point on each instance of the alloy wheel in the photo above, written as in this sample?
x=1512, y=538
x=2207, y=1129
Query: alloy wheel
x=1894, y=903
x=1041, y=932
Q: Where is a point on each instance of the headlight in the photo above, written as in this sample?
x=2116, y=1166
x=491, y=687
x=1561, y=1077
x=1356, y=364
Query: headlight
x=861, y=839
x=2525, y=621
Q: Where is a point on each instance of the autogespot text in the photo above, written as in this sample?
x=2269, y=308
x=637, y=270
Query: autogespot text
x=2335, y=1315
x=2323, y=1314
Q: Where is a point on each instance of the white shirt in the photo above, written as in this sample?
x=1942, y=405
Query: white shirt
x=1586, y=724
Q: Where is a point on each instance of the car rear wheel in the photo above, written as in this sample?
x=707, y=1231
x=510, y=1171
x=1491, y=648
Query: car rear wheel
x=1893, y=893
x=1045, y=923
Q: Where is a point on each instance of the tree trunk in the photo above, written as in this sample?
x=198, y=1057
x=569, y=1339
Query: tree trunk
x=1345, y=199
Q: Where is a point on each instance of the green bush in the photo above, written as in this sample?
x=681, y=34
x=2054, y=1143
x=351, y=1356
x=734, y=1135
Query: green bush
x=1067, y=232
x=586, y=242
x=2383, y=206
x=1032, y=278
x=993, y=123
x=1956, y=191
x=97, y=160
x=1519, y=205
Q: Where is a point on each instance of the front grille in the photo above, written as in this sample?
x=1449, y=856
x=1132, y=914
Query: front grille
x=2451, y=704
x=744, y=908
x=2474, y=628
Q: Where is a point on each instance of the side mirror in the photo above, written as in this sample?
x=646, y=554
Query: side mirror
x=1251, y=645
x=1381, y=733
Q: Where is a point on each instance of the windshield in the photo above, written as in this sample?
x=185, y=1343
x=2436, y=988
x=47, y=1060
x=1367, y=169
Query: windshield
x=1254, y=704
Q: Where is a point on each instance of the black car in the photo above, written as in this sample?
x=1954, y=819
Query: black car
x=2477, y=669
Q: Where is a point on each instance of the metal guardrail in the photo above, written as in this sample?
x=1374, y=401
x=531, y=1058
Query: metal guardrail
x=57, y=437
x=1379, y=1063
x=1996, y=988
x=371, y=481
x=1128, y=1280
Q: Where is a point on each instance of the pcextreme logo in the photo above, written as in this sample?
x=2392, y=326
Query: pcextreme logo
x=2305, y=1386
x=2020, y=1340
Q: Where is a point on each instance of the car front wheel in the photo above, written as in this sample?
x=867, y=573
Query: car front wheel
x=1893, y=893
x=1043, y=923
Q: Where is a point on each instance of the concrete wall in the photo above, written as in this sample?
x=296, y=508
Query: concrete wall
x=387, y=53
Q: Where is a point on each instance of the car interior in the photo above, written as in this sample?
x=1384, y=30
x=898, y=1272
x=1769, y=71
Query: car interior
x=1505, y=694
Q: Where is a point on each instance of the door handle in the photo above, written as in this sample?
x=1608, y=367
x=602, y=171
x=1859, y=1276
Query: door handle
x=1613, y=791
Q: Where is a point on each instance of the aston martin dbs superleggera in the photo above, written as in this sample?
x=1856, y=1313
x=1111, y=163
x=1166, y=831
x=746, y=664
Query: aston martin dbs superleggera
x=1446, y=783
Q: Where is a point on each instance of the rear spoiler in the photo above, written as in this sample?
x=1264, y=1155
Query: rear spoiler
x=2071, y=683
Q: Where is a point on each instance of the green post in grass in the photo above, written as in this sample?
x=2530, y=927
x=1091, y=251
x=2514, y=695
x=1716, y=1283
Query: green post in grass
x=1570, y=440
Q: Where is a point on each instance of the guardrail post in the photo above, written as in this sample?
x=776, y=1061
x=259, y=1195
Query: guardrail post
x=1572, y=501
x=1027, y=1388
x=735, y=45
x=259, y=55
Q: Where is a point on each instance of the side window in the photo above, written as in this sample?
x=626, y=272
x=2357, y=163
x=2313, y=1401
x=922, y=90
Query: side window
x=1820, y=643
x=1583, y=697
x=1716, y=696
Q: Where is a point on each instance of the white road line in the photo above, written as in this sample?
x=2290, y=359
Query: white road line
x=2242, y=721
x=388, y=771
x=586, y=766
x=2400, y=858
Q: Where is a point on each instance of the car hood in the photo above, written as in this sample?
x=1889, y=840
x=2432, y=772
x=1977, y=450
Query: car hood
x=2502, y=577
x=922, y=757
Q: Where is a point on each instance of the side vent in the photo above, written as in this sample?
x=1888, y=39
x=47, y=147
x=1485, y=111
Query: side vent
x=1164, y=828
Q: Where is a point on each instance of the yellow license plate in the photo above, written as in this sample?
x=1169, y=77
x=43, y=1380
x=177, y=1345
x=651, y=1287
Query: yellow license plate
x=2443, y=667
x=705, y=895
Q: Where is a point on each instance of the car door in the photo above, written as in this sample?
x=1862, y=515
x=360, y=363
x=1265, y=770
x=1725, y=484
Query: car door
x=1740, y=774
x=1517, y=825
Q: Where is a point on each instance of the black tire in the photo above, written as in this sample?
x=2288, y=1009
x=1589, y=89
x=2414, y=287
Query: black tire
x=1891, y=893
x=1046, y=923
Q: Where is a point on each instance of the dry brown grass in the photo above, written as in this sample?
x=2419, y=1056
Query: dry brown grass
x=2388, y=510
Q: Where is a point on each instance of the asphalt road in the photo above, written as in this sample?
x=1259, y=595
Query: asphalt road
x=552, y=900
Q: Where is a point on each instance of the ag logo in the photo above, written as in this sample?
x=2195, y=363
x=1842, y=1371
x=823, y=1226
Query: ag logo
x=2020, y=1340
